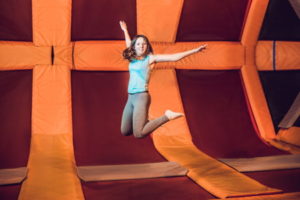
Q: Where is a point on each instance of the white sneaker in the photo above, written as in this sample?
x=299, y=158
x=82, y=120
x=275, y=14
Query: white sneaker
x=172, y=115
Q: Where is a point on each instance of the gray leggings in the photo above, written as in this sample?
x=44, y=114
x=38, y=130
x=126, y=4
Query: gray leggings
x=135, y=116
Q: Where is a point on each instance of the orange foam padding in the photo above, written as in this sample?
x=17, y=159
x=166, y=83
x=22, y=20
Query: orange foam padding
x=258, y=102
x=284, y=196
x=96, y=55
x=51, y=22
x=63, y=55
x=51, y=100
x=254, y=22
x=264, y=55
x=51, y=174
x=287, y=55
x=22, y=55
x=165, y=95
x=250, y=76
x=290, y=135
x=158, y=19
x=130, y=171
x=173, y=140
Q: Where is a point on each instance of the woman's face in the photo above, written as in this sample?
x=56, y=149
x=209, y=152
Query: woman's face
x=140, y=46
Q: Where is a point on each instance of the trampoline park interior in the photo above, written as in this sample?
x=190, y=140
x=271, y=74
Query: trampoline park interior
x=63, y=86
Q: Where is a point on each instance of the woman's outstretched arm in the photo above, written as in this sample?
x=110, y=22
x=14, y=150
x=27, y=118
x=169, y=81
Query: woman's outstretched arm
x=175, y=56
x=127, y=37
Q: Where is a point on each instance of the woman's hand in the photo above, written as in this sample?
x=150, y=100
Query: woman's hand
x=123, y=25
x=201, y=48
x=126, y=34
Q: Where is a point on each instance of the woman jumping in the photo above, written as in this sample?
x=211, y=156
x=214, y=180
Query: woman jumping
x=140, y=55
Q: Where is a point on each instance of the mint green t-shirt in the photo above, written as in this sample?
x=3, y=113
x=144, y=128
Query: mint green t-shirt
x=139, y=72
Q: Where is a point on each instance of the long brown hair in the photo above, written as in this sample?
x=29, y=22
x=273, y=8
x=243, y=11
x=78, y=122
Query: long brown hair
x=130, y=54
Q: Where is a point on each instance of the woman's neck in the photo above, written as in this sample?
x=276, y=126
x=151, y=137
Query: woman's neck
x=140, y=57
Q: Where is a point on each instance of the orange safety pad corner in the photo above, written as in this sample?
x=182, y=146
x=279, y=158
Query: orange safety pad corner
x=107, y=55
x=52, y=174
x=287, y=56
x=168, y=12
x=290, y=135
x=51, y=100
x=173, y=141
x=22, y=55
x=51, y=21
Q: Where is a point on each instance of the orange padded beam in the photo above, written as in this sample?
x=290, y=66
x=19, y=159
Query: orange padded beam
x=107, y=55
x=96, y=55
x=263, y=55
x=22, y=55
x=51, y=100
x=173, y=141
x=158, y=19
x=51, y=172
x=286, y=55
x=250, y=75
x=51, y=22
x=64, y=55
x=254, y=22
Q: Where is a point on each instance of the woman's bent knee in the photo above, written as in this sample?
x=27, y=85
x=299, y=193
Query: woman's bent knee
x=126, y=132
x=138, y=135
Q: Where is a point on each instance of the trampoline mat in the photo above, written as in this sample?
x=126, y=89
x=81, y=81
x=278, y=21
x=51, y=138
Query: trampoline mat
x=218, y=116
x=286, y=180
x=159, y=188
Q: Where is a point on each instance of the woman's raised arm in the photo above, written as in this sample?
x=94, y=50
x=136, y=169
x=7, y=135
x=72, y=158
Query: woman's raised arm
x=126, y=34
x=175, y=56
